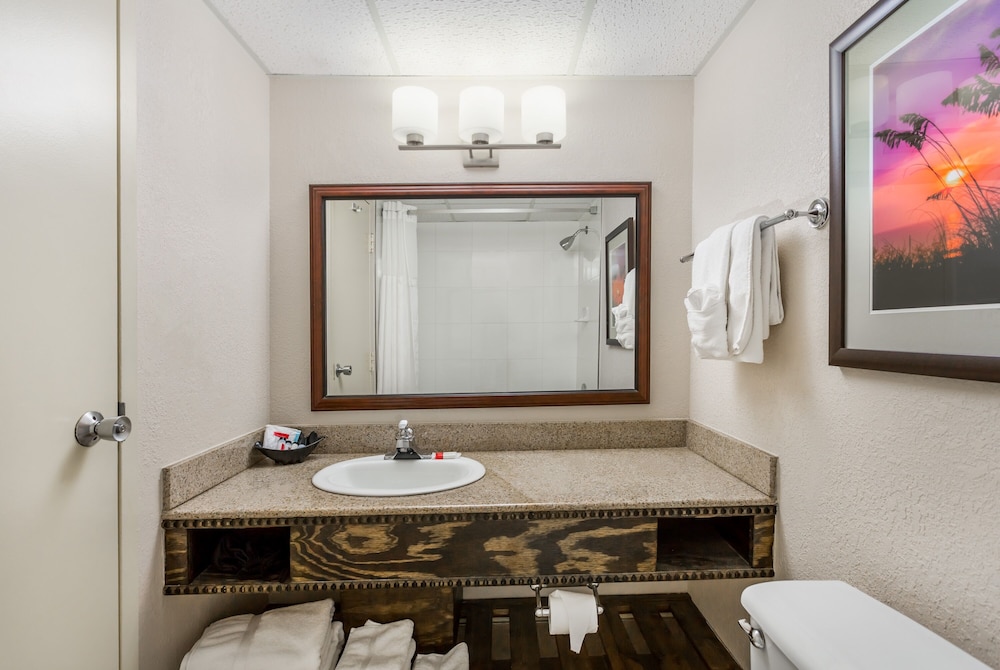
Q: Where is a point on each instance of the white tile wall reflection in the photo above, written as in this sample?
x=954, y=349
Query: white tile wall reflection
x=502, y=306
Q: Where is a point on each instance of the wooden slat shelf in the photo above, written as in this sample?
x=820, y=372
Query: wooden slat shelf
x=634, y=633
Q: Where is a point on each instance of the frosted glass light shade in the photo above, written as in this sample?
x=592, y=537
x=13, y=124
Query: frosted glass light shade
x=414, y=112
x=543, y=112
x=480, y=112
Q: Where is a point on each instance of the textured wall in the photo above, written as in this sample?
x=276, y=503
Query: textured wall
x=202, y=301
x=886, y=481
x=337, y=130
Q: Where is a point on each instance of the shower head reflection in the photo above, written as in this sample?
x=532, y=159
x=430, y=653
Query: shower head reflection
x=567, y=242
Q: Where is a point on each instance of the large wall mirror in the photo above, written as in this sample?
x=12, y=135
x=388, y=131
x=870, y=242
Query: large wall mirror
x=479, y=295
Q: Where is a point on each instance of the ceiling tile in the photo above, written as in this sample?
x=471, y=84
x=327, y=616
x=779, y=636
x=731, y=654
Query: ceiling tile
x=482, y=37
x=653, y=37
x=308, y=36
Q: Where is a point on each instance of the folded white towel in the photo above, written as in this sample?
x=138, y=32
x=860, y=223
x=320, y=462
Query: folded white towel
x=754, y=290
x=376, y=646
x=335, y=643
x=706, y=301
x=456, y=659
x=292, y=638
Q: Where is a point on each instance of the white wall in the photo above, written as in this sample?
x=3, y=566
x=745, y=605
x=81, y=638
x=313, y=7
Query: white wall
x=886, y=481
x=497, y=304
x=337, y=131
x=202, y=296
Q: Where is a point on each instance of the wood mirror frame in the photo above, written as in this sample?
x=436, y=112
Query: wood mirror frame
x=319, y=194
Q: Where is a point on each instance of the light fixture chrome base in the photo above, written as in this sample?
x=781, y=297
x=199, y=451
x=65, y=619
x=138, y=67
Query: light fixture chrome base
x=472, y=160
x=489, y=161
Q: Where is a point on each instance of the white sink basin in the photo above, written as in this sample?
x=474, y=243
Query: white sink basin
x=375, y=476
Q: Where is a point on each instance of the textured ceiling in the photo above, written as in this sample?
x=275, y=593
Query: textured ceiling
x=480, y=37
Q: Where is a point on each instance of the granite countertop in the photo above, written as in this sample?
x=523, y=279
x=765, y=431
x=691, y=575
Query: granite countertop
x=515, y=481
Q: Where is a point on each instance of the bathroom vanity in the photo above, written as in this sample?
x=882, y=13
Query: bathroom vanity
x=668, y=509
x=560, y=516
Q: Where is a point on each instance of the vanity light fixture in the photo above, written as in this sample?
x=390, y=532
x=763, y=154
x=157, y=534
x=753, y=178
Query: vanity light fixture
x=480, y=120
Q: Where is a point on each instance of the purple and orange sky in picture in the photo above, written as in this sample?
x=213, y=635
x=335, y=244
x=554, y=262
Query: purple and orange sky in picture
x=915, y=79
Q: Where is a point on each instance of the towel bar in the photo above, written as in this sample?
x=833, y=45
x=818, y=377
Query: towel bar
x=818, y=214
x=543, y=612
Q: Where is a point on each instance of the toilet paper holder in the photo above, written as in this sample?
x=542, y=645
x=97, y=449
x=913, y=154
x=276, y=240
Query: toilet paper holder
x=543, y=612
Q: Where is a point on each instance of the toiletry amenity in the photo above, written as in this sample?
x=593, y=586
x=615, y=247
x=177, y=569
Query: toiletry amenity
x=440, y=455
x=280, y=438
x=290, y=452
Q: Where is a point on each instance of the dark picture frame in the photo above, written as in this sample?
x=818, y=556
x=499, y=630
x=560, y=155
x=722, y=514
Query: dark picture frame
x=619, y=258
x=914, y=274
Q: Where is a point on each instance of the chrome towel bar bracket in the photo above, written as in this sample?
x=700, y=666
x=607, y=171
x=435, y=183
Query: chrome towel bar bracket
x=817, y=214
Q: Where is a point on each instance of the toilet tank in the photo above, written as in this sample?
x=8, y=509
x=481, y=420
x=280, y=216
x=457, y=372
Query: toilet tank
x=812, y=625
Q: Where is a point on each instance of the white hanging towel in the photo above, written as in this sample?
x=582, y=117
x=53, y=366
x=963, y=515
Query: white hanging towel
x=706, y=301
x=735, y=294
x=754, y=298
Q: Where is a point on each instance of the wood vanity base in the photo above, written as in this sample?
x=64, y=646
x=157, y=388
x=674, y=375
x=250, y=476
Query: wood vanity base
x=490, y=549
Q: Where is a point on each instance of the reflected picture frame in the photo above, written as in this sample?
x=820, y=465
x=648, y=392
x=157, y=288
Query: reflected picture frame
x=914, y=275
x=619, y=257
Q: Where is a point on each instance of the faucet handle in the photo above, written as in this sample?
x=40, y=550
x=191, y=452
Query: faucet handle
x=403, y=431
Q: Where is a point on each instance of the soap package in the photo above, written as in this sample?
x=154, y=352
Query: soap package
x=280, y=438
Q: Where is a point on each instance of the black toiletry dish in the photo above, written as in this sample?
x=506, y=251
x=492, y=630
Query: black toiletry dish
x=288, y=456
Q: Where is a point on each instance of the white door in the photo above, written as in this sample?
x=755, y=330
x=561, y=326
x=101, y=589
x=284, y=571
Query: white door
x=350, y=325
x=58, y=333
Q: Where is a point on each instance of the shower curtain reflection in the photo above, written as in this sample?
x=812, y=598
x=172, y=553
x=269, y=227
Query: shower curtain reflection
x=396, y=319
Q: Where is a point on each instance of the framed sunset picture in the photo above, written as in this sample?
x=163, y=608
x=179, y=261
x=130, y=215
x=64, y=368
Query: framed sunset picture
x=915, y=187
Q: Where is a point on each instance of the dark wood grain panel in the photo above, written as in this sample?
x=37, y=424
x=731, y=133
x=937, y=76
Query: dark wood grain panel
x=763, y=540
x=178, y=567
x=459, y=549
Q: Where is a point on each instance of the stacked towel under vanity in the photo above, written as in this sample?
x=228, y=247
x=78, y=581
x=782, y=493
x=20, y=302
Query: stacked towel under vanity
x=305, y=637
x=299, y=637
x=390, y=646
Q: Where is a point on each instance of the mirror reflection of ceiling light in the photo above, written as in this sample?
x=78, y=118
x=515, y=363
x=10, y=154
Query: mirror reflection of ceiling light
x=480, y=120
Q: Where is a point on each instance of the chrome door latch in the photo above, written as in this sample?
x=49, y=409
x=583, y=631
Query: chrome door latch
x=93, y=427
x=756, y=637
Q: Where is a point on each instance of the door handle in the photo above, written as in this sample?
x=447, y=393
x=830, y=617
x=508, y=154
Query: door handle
x=343, y=370
x=93, y=427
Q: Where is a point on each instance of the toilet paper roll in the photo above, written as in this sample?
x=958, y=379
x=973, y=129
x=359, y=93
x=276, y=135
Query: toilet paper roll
x=573, y=613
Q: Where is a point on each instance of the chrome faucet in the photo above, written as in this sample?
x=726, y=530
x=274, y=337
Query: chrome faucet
x=404, y=444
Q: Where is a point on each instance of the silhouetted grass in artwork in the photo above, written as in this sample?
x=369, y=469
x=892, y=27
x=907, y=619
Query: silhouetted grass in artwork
x=966, y=273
